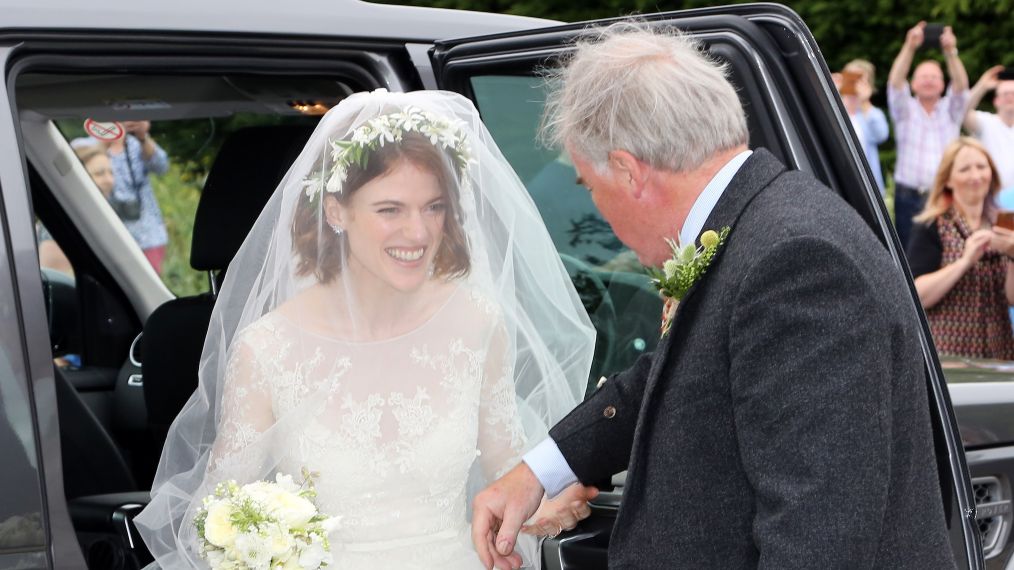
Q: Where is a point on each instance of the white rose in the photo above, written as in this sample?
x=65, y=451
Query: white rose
x=218, y=528
x=259, y=491
x=279, y=542
x=293, y=510
x=288, y=507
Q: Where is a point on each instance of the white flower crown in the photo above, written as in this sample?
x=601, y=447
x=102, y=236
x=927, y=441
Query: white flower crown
x=443, y=133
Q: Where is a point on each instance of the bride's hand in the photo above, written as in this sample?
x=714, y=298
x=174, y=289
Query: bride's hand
x=561, y=513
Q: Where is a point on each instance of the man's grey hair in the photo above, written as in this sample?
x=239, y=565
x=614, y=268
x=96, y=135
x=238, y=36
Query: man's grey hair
x=650, y=92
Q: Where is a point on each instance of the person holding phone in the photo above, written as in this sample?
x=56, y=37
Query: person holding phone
x=857, y=87
x=962, y=260
x=995, y=130
x=135, y=156
x=926, y=118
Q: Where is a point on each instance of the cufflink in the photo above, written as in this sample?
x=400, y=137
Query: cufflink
x=601, y=382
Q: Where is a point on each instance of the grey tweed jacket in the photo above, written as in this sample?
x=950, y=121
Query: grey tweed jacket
x=784, y=421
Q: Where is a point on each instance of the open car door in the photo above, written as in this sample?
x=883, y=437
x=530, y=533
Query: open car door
x=792, y=109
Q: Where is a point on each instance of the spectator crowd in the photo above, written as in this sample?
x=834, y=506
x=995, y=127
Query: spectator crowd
x=953, y=194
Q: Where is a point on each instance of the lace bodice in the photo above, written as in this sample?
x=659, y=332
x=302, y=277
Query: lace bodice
x=393, y=427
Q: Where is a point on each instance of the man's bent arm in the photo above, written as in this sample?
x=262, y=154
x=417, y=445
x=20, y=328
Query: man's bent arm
x=898, y=75
x=596, y=437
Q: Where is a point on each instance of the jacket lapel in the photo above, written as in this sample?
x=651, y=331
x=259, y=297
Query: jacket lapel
x=756, y=173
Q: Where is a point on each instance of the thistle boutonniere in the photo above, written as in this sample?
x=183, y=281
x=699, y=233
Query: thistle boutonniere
x=679, y=273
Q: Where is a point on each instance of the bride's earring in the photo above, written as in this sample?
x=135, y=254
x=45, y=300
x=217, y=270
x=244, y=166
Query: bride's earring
x=337, y=229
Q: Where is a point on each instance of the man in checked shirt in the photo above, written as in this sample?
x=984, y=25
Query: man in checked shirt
x=926, y=119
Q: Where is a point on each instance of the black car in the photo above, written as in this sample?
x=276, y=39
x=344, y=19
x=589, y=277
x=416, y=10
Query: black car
x=92, y=345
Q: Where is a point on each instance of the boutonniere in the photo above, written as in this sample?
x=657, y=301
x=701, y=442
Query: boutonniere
x=679, y=273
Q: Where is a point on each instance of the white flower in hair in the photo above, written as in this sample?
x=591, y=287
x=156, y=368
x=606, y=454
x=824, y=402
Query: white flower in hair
x=334, y=183
x=442, y=132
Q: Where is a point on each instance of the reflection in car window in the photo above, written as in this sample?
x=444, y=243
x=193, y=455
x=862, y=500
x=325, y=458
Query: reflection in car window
x=621, y=301
x=21, y=524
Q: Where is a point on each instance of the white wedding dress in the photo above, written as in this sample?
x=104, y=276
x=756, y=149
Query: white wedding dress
x=398, y=425
x=402, y=432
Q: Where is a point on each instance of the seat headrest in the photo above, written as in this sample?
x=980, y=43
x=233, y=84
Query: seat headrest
x=248, y=168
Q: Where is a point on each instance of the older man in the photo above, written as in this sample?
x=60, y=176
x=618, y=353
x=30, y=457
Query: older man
x=925, y=120
x=753, y=436
x=995, y=130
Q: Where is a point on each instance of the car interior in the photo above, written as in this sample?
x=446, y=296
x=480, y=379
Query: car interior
x=134, y=377
x=139, y=343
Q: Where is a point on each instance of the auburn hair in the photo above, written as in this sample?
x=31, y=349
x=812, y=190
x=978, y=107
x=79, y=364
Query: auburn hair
x=322, y=253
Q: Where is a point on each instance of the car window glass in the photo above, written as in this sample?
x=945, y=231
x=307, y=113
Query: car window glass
x=21, y=525
x=152, y=176
x=61, y=299
x=623, y=304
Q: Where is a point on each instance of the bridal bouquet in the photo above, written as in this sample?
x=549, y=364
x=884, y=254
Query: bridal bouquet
x=264, y=525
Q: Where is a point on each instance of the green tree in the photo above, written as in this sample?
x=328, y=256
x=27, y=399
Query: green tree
x=844, y=29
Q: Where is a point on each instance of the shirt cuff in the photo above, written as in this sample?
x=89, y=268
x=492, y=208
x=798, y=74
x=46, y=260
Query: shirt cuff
x=550, y=467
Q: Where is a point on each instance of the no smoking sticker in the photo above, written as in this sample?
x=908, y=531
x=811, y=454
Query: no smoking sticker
x=105, y=132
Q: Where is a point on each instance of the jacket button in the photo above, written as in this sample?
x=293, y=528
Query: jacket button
x=609, y=412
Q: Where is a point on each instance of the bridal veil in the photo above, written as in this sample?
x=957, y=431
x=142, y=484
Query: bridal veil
x=510, y=311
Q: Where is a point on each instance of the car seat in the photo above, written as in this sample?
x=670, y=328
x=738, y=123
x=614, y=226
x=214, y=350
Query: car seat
x=248, y=168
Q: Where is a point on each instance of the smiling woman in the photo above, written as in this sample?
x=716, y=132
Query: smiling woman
x=398, y=201
x=961, y=262
x=397, y=322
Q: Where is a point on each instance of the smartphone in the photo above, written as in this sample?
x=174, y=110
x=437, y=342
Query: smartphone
x=848, y=82
x=1006, y=75
x=931, y=35
x=1005, y=219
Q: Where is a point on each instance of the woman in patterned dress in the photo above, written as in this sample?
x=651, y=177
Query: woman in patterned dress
x=962, y=263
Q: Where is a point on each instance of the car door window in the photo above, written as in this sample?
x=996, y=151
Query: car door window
x=617, y=293
x=21, y=524
x=155, y=190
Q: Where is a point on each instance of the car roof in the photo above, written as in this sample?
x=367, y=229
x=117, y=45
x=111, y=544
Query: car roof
x=346, y=18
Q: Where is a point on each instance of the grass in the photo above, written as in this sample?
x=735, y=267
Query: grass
x=178, y=197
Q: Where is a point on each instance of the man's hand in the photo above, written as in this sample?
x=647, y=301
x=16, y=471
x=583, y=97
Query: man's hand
x=563, y=512
x=948, y=41
x=137, y=128
x=990, y=79
x=915, y=35
x=498, y=513
x=897, y=78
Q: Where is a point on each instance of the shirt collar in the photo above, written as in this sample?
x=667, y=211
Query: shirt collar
x=705, y=203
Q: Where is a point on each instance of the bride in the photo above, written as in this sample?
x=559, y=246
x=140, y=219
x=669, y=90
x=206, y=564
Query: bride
x=397, y=322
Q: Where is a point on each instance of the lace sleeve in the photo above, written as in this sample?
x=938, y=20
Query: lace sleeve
x=501, y=434
x=246, y=404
